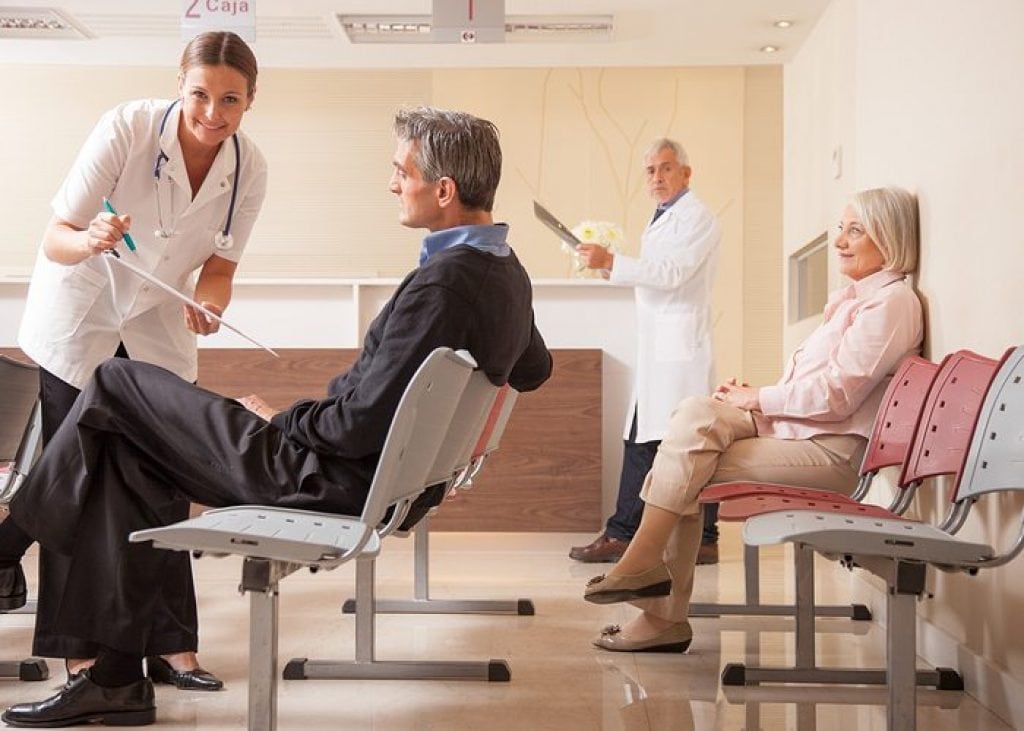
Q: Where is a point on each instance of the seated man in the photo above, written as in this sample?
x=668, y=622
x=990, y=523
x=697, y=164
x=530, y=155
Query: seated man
x=140, y=440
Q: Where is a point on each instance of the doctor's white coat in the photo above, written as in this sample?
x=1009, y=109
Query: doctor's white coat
x=672, y=281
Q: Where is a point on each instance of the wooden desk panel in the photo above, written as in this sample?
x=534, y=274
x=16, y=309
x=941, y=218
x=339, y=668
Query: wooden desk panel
x=545, y=477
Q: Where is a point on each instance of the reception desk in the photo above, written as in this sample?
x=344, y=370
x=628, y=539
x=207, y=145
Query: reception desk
x=558, y=466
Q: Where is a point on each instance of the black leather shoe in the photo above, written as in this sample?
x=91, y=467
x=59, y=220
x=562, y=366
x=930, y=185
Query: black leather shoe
x=12, y=588
x=161, y=671
x=82, y=702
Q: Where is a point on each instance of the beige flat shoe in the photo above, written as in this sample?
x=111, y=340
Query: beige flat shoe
x=610, y=589
x=676, y=638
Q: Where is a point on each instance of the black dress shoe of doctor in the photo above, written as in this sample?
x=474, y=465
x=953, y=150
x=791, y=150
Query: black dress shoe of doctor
x=12, y=588
x=162, y=671
x=82, y=702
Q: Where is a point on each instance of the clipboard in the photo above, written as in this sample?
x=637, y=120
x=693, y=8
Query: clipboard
x=555, y=225
x=114, y=256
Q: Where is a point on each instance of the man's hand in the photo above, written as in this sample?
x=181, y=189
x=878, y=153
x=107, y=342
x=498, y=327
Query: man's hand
x=258, y=406
x=740, y=395
x=594, y=256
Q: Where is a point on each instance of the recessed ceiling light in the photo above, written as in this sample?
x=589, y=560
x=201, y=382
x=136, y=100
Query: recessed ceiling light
x=769, y=49
x=783, y=23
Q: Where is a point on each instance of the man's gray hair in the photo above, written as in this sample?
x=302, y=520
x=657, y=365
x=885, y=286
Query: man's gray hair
x=664, y=143
x=455, y=145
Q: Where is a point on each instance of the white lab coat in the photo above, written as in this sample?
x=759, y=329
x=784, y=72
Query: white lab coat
x=72, y=322
x=672, y=281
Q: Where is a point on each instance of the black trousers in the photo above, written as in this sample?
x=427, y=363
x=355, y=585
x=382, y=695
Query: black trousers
x=637, y=459
x=175, y=624
x=136, y=447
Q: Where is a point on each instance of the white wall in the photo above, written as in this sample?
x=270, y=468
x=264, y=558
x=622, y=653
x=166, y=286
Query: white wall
x=927, y=94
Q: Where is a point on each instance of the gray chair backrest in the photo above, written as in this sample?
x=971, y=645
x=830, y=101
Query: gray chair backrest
x=467, y=424
x=19, y=390
x=418, y=427
x=995, y=459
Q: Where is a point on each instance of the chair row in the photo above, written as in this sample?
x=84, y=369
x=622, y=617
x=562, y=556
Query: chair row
x=443, y=427
x=962, y=419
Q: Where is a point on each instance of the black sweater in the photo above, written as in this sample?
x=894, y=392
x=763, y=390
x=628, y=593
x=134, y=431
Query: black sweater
x=461, y=298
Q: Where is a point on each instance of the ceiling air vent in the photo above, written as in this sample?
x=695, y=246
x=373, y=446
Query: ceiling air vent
x=32, y=23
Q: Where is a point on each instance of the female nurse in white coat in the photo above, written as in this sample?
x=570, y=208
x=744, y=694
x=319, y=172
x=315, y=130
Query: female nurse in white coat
x=188, y=185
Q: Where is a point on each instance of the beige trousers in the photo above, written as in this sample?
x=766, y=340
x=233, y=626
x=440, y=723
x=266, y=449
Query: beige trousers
x=710, y=442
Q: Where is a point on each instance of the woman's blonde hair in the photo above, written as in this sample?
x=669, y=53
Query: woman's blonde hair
x=890, y=217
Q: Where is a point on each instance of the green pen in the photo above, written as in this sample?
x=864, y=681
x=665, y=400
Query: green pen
x=127, y=237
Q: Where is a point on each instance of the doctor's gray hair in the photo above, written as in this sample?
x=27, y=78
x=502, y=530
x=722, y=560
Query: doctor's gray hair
x=221, y=48
x=455, y=145
x=890, y=217
x=664, y=143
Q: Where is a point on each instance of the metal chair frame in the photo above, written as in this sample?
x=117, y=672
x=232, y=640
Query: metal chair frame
x=276, y=542
x=955, y=395
x=900, y=551
x=421, y=601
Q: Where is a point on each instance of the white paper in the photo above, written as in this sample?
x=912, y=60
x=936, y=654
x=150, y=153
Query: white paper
x=172, y=291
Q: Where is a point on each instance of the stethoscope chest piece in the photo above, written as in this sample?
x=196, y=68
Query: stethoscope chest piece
x=223, y=241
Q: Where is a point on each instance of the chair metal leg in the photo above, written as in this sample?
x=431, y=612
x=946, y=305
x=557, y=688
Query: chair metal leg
x=422, y=603
x=805, y=669
x=901, y=644
x=260, y=579
x=367, y=667
x=753, y=607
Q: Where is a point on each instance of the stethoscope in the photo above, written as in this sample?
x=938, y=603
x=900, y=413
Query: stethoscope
x=223, y=240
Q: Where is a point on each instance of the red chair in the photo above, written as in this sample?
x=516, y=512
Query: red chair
x=899, y=551
x=890, y=441
x=941, y=440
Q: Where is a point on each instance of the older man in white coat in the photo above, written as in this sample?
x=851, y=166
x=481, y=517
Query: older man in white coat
x=672, y=280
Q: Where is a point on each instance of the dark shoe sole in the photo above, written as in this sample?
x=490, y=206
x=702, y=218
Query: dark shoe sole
x=662, y=588
x=668, y=647
x=161, y=675
x=593, y=559
x=10, y=603
x=111, y=718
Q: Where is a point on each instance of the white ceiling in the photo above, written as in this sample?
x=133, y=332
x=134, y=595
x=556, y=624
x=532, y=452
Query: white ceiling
x=304, y=34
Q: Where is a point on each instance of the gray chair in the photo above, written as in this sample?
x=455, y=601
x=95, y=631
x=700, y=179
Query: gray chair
x=490, y=430
x=20, y=440
x=276, y=542
x=900, y=551
x=477, y=414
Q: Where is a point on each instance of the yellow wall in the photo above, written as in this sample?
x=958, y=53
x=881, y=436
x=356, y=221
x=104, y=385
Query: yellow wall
x=573, y=138
x=926, y=94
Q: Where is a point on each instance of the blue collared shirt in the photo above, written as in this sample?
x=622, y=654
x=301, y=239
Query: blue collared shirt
x=662, y=207
x=485, y=237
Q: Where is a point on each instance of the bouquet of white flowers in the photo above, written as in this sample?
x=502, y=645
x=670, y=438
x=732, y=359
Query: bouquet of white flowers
x=602, y=233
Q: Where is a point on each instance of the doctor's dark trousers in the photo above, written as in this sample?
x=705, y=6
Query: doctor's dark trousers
x=637, y=459
x=136, y=447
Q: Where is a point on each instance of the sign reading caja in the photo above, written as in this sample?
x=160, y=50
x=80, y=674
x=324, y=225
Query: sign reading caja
x=198, y=16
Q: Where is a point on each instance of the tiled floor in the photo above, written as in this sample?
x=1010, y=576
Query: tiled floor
x=559, y=681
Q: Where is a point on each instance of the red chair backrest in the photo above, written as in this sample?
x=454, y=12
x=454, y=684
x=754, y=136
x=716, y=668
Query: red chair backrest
x=950, y=412
x=893, y=431
x=492, y=420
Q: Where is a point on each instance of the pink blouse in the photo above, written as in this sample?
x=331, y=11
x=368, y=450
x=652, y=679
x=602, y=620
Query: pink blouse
x=834, y=382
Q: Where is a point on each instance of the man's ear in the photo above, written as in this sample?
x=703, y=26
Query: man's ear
x=447, y=192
